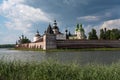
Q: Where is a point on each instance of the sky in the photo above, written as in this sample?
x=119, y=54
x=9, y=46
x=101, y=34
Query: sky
x=19, y=17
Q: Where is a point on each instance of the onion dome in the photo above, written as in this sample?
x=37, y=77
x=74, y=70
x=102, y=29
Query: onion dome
x=37, y=34
x=79, y=28
x=55, y=25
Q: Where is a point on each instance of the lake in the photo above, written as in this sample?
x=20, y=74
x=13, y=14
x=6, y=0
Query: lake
x=81, y=57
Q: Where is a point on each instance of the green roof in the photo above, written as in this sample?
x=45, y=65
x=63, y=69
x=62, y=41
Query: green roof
x=79, y=28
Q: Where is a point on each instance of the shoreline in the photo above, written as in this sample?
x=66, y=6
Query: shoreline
x=66, y=50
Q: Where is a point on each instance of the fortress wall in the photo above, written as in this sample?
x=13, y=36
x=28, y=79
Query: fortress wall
x=39, y=45
x=88, y=43
x=36, y=45
x=50, y=42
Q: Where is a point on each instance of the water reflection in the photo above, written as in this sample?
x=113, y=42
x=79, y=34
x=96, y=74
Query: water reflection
x=83, y=57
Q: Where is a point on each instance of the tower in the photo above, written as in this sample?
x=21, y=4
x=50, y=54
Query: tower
x=36, y=37
x=49, y=30
x=49, y=39
x=55, y=28
x=79, y=31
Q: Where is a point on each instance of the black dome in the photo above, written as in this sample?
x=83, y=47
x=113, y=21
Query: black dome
x=37, y=34
x=55, y=27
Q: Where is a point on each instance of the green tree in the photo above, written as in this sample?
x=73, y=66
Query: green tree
x=108, y=32
x=23, y=40
x=93, y=35
x=102, y=34
x=115, y=34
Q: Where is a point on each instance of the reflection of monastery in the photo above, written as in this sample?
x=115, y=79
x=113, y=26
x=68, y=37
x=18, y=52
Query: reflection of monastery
x=53, y=39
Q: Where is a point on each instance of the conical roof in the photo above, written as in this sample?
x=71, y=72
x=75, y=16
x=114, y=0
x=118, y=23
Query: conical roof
x=49, y=30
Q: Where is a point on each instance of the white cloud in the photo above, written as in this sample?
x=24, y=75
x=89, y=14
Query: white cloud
x=89, y=18
x=21, y=16
x=107, y=24
x=88, y=29
x=111, y=24
x=75, y=3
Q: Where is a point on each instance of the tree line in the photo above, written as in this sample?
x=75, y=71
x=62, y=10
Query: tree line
x=105, y=34
x=7, y=46
x=23, y=39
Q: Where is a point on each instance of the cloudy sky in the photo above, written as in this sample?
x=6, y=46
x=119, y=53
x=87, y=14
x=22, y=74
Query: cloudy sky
x=26, y=16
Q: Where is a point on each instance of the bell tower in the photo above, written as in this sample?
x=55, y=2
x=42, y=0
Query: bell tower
x=55, y=28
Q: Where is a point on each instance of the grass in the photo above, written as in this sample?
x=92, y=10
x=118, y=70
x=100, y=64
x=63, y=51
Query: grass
x=53, y=70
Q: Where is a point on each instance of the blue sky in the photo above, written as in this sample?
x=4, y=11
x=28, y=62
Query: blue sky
x=26, y=16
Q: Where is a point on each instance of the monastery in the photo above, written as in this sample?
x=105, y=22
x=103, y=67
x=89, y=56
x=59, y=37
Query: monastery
x=54, y=39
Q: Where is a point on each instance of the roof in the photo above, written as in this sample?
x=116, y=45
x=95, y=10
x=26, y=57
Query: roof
x=49, y=30
x=55, y=25
x=79, y=28
x=37, y=33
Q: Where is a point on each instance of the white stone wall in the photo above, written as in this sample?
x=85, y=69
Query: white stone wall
x=60, y=37
x=80, y=35
x=36, y=38
x=36, y=45
x=49, y=42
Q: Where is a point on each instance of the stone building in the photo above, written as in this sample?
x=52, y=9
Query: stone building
x=37, y=37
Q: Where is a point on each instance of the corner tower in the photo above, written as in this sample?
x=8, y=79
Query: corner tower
x=49, y=39
x=36, y=37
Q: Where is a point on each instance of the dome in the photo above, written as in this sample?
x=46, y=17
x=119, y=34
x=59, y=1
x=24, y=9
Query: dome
x=55, y=25
x=36, y=37
x=79, y=28
x=37, y=34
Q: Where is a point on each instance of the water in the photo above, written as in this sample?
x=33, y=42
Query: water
x=82, y=57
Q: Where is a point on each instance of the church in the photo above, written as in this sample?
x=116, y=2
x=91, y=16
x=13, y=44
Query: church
x=54, y=29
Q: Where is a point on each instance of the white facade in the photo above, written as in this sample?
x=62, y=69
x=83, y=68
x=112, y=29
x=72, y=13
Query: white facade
x=80, y=35
x=79, y=32
x=56, y=31
x=60, y=36
x=36, y=38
